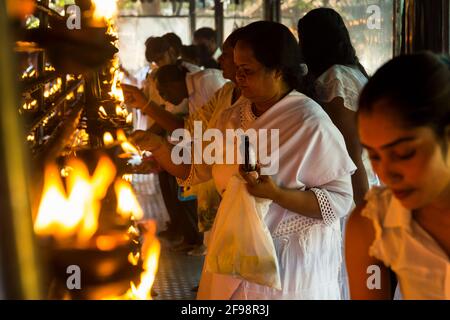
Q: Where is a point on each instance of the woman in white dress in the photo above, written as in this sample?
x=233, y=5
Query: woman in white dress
x=335, y=78
x=310, y=191
x=404, y=122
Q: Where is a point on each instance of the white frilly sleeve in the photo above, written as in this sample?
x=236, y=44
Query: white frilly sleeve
x=377, y=202
x=335, y=199
x=322, y=163
x=340, y=81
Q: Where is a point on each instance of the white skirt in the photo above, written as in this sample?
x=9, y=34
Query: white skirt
x=309, y=256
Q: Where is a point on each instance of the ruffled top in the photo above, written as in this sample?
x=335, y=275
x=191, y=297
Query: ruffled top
x=421, y=265
x=345, y=82
x=341, y=81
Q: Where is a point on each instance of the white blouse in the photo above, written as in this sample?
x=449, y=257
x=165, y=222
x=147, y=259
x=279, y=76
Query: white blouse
x=345, y=82
x=341, y=81
x=312, y=156
x=202, y=85
x=210, y=112
x=421, y=265
x=143, y=122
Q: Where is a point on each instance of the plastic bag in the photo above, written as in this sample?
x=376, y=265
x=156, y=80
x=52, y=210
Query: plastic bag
x=241, y=244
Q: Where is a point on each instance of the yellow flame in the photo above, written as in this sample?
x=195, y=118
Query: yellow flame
x=29, y=105
x=117, y=76
x=121, y=135
x=81, y=138
x=151, y=250
x=112, y=30
x=129, y=148
x=66, y=171
x=127, y=204
x=62, y=215
x=102, y=110
x=30, y=74
x=115, y=62
x=133, y=231
x=103, y=176
x=70, y=96
x=133, y=258
x=129, y=118
x=108, y=139
x=55, y=216
x=119, y=111
x=116, y=91
x=104, y=9
x=54, y=88
x=84, y=197
x=127, y=177
x=125, y=144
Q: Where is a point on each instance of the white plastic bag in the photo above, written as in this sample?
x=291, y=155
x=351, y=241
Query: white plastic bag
x=241, y=244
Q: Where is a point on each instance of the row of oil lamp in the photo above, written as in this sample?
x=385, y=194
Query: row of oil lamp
x=30, y=72
x=70, y=214
x=51, y=89
x=70, y=218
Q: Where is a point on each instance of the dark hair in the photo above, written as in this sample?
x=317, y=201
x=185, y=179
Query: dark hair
x=205, y=33
x=174, y=41
x=417, y=85
x=155, y=47
x=199, y=55
x=276, y=48
x=190, y=54
x=233, y=38
x=170, y=73
x=325, y=41
x=205, y=59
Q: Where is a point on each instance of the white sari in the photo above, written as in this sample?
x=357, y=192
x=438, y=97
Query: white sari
x=312, y=156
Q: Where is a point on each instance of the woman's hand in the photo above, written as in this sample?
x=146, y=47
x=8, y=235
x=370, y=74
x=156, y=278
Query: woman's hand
x=146, y=140
x=258, y=185
x=298, y=201
x=133, y=96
